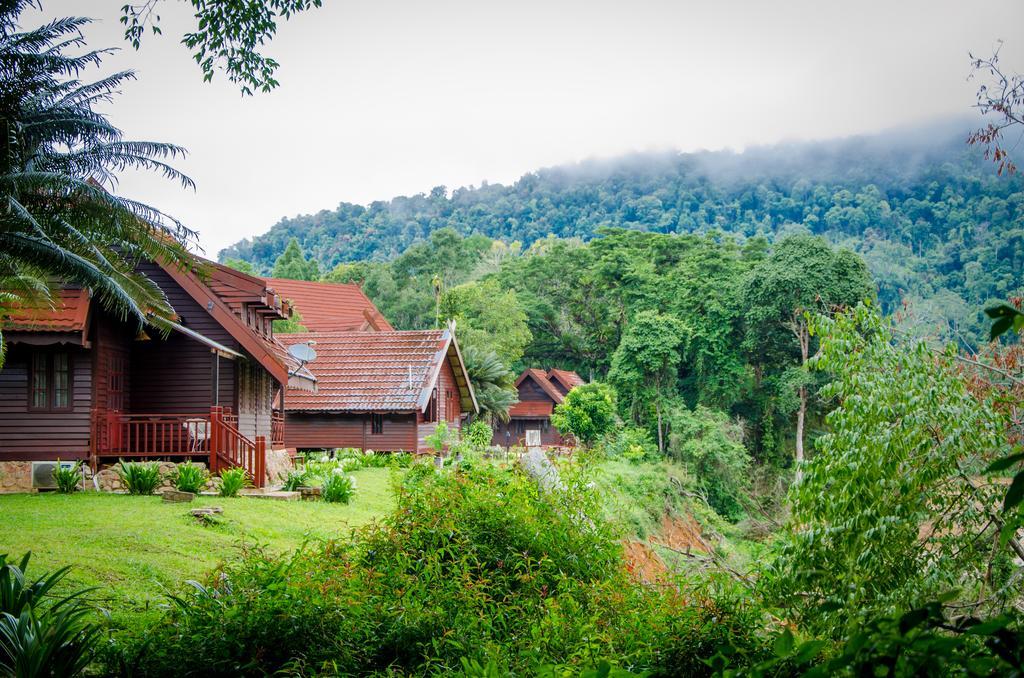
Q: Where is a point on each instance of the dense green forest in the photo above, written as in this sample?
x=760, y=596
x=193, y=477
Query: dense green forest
x=936, y=226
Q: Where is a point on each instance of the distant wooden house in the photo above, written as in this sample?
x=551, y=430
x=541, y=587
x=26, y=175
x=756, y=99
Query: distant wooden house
x=539, y=392
x=383, y=391
x=80, y=383
x=331, y=307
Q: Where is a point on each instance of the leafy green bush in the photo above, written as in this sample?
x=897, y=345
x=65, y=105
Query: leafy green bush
x=439, y=440
x=68, y=479
x=232, y=480
x=632, y=443
x=477, y=434
x=189, y=477
x=893, y=509
x=371, y=459
x=338, y=488
x=42, y=633
x=711, y=448
x=139, y=477
x=475, y=566
x=588, y=412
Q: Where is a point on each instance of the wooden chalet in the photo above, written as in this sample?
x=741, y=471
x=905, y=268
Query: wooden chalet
x=80, y=383
x=382, y=391
x=331, y=307
x=539, y=392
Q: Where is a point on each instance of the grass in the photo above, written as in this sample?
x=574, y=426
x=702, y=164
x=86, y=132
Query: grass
x=136, y=549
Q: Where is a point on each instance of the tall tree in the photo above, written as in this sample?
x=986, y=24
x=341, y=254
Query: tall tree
x=645, y=366
x=57, y=154
x=803, y=275
x=488, y=317
x=293, y=264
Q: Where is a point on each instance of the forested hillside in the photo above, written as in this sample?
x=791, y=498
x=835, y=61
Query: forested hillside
x=935, y=224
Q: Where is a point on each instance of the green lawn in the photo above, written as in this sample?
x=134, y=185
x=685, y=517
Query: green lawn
x=135, y=548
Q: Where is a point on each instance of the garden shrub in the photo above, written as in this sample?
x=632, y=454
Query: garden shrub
x=189, y=477
x=338, y=488
x=68, y=479
x=232, y=481
x=587, y=413
x=139, y=477
x=474, y=567
x=294, y=479
x=477, y=434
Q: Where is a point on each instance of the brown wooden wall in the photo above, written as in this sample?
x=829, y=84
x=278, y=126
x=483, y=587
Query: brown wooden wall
x=331, y=431
x=530, y=391
x=449, y=408
x=44, y=436
x=516, y=432
x=175, y=375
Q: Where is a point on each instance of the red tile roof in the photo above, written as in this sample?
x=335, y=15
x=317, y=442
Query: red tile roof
x=567, y=378
x=331, y=307
x=376, y=371
x=69, y=313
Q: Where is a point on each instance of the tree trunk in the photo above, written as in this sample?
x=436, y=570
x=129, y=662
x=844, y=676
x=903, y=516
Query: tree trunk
x=803, y=333
x=661, y=443
x=800, y=413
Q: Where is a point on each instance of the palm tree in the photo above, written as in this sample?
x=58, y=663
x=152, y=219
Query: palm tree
x=492, y=383
x=58, y=156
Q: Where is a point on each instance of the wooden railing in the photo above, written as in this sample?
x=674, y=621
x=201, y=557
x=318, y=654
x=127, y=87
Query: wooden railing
x=229, y=448
x=277, y=429
x=214, y=436
x=151, y=435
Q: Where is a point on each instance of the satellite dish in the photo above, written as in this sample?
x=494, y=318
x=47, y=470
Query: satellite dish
x=304, y=353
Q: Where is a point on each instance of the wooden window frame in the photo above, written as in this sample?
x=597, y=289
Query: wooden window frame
x=51, y=381
x=432, y=409
x=376, y=424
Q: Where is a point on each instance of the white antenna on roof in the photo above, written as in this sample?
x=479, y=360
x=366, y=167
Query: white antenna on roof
x=410, y=378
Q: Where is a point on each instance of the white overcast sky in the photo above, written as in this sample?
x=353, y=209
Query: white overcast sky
x=387, y=97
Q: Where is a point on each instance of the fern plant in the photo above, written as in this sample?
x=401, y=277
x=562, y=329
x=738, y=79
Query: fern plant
x=68, y=479
x=139, y=477
x=232, y=480
x=189, y=477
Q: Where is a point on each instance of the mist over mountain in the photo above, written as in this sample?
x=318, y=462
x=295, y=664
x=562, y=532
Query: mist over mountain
x=930, y=216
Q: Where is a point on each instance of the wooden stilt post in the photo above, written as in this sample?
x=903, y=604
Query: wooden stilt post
x=260, y=465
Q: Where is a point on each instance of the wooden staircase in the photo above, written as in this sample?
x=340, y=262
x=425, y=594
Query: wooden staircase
x=230, y=449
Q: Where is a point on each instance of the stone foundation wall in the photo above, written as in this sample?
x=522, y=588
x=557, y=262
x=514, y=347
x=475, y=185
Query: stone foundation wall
x=15, y=476
x=279, y=462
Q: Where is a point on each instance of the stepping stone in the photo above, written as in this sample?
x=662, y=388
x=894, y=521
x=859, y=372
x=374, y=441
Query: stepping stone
x=206, y=511
x=279, y=495
x=177, y=497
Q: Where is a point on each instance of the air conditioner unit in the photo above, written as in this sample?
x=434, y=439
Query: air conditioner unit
x=42, y=474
